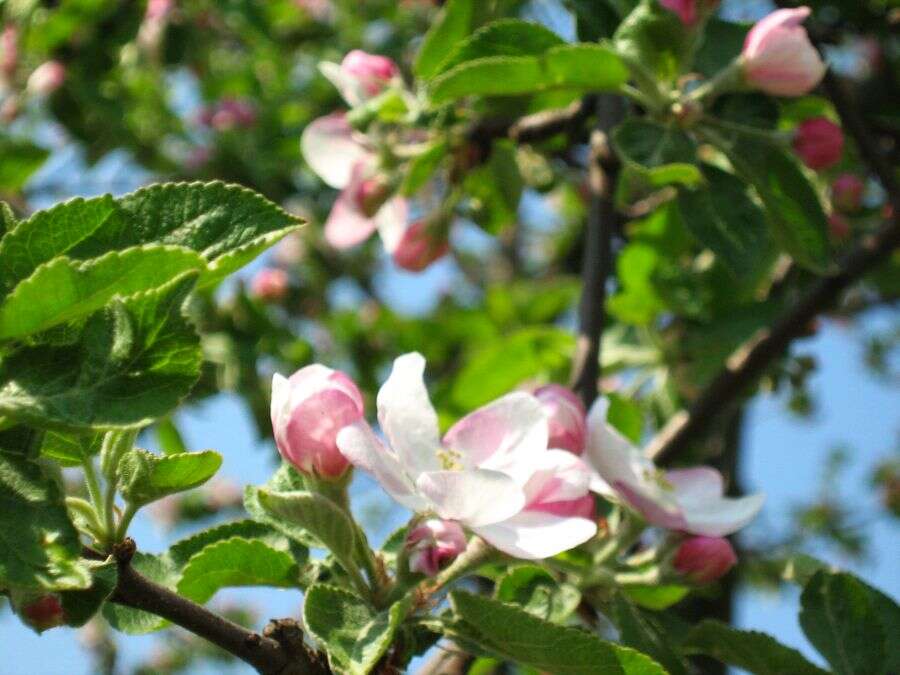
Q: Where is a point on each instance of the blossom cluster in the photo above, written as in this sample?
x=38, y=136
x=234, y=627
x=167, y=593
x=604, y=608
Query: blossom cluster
x=521, y=472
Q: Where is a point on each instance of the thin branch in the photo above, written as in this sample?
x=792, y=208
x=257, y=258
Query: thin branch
x=266, y=654
x=533, y=128
x=598, y=259
x=753, y=358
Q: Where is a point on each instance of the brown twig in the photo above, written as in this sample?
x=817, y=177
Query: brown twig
x=266, y=653
x=533, y=128
x=753, y=358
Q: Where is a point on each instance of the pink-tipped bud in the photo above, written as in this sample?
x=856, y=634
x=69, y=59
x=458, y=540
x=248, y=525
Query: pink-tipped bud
x=419, y=246
x=371, y=194
x=689, y=10
x=566, y=417
x=371, y=71
x=819, y=142
x=159, y=9
x=847, y=192
x=308, y=411
x=9, y=51
x=703, y=560
x=46, y=78
x=838, y=227
x=41, y=613
x=778, y=57
x=270, y=284
x=434, y=543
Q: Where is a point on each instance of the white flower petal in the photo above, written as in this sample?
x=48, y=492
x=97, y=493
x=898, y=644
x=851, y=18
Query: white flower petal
x=534, y=535
x=347, y=225
x=614, y=457
x=474, y=498
x=723, y=516
x=407, y=417
x=697, y=485
x=558, y=476
x=509, y=435
x=359, y=444
x=332, y=150
x=348, y=85
x=392, y=221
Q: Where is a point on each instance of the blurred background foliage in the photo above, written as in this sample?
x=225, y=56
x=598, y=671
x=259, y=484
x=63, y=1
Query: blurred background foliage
x=204, y=89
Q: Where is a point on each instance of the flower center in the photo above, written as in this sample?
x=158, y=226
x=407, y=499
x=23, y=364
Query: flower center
x=450, y=460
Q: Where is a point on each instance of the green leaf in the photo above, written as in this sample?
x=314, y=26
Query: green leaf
x=353, y=635
x=722, y=44
x=585, y=66
x=70, y=449
x=133, y=363
x=626, y=416
x=39, y=546
x=227, y=225
x=723, y=218
x=183, y=550
x=653, y=40
x=422, y=167
x=169, y=437
x=538, y=593
x=452, y=25
x=136, y=621
x=513, y=634
x=236, y=562
x=643, y=631
x=7, y=219
x=63, y=290
x=507, y=37
x=791, y=202
x=853, y=625
x=319, y=516
x=663, y=154
x=656, y=597
x=495, y=189
x=18, y=162
x=285, y=479
x=754, y=652
x=145, y=477
x=538, y=353
x=80, y=607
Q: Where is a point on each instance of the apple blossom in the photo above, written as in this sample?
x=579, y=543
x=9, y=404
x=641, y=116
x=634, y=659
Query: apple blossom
x=847, y=192
x=686, y=500
x=46, y=78
x=819, y=142
x=360, y=76
x=308, y=411
x=433, y=543
x=703, y=560
x=778, y=57
x=492, y=473
x=270, y=284
x=566, y=417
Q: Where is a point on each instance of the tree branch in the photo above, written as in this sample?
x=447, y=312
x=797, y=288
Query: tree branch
x=533, y=128
x=266, y=654
x=597, y=263
x=752, y=359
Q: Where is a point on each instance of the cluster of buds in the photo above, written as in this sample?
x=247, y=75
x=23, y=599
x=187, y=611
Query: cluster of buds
x=228, y=114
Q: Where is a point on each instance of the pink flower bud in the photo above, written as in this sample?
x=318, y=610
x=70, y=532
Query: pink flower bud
x=308, y=411
x=373, y=72
x=159, y=9
x=566, y=416
x=371, y=194
x=434, y=543
x=703, y=560
x=819, y=143
x=778, y=57
x=9, y=50
x=42, y=613
x=270, y=284
x=230, y=113
x=838, y=227
x=419, y=246
x=847, y=192
x=689, y=10
x=46, y=78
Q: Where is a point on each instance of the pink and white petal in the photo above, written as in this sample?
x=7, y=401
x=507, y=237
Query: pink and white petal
x=407, y=417
x=558, y=476
x=474, y=498
x=723, y=516
x=347, y=225
x=359, y=444
x=655, y=505
x=611, y=454
x=349, y=86
x=280, y=409
x=534, y=535
x=508, y=435
x=392, y=221
x=331, y=149
x=697, y=485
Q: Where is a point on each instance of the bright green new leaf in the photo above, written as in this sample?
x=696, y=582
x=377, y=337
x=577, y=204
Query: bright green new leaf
x=145, y=477
x=514, y=634
x=70, y=449
x=353, y=635
x=236, y=562
x=538, y=593
x=452, y=25
x=754, y=652
x=63, y=290
x=653, y=41
x=422, y=167
x=183, y=550
x=39, y=546
x=133, y=363
x=656, y=597
x=7, y=219
x=506, y=37
x=285, y=479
